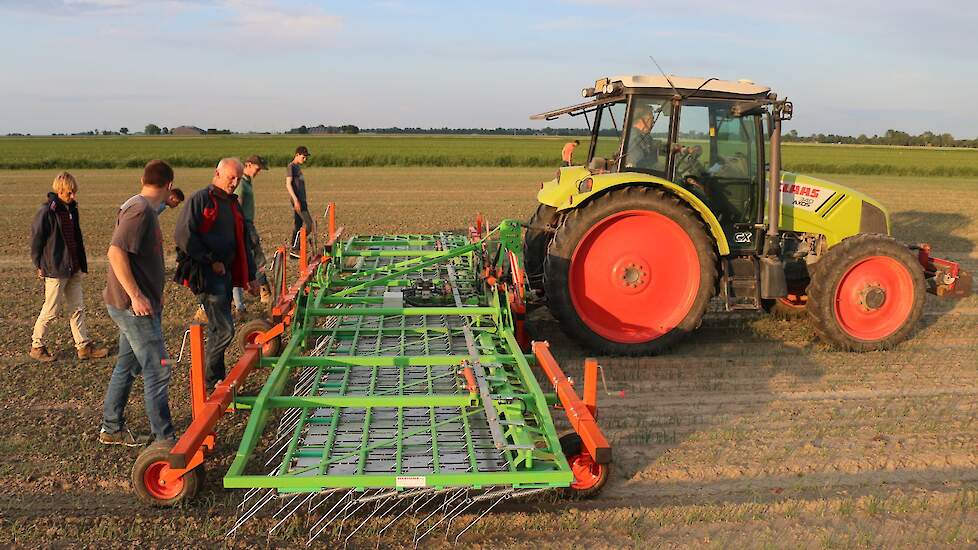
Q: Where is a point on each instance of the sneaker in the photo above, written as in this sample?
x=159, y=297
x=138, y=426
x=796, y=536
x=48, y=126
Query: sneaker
x=122, y=437
x=41, y=354
x=92, y=352
x=265, y=294
x=200, y=316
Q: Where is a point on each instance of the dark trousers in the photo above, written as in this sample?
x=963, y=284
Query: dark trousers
x=220, y=327
x=141, y=350
x=298, y=221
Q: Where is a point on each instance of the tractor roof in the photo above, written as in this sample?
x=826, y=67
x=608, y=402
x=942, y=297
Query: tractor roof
x=611, y=89
x=691, y=83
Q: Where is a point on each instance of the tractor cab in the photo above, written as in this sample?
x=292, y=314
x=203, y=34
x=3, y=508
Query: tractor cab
x=705, y=135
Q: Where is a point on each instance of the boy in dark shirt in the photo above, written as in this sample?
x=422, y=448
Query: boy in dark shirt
x=134, y=299
x=295, y=184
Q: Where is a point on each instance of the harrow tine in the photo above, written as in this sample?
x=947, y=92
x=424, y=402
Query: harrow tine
x=380, y=499
x=449, y=497
x=290, y=513
x=479, y=517
x=446, y=515
x=329, y=517
x=262, y=501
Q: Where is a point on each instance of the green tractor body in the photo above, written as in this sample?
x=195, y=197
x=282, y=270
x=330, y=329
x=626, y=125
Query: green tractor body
x=672, y=209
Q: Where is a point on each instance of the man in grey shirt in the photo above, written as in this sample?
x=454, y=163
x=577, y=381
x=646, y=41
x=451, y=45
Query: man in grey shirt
x=134, y=299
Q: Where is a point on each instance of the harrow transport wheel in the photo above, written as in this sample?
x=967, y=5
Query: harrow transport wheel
x=535, y=244
x=147, y=478
x=867, y=293
x=589, y=476
x=631, y=272
x=250, y=331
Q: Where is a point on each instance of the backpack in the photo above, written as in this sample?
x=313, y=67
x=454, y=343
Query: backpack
x=188, y=272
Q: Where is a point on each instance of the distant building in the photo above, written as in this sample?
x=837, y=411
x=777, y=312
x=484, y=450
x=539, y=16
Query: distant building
x=187, y=131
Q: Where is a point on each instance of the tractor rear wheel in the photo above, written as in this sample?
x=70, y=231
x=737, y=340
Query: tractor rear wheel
x=535, y=245
x=631, y=272
x=866, y=294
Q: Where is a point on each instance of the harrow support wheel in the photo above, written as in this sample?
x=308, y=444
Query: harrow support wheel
x=250, y=331
x=867, y=293
x=147, y=480
x=535, y=244
x=631, y=272
x=589, y=476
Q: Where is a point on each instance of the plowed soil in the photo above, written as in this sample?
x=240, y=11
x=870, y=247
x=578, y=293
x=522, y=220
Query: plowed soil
x=751, y=433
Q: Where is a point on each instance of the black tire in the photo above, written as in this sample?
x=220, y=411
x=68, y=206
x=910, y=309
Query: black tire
x=824, y=294
x=786, y=308
x=571, y=445
x=576, y=225
x=246, y=334
x=535, y=245
x=145, y=475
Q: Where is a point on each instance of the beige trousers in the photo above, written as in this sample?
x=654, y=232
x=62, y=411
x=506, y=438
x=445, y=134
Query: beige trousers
x=57, y=293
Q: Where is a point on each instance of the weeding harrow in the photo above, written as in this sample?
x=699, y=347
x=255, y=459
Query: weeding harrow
x=402, y=391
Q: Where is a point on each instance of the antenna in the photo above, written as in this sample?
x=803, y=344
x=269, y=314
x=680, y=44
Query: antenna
x=664, y=75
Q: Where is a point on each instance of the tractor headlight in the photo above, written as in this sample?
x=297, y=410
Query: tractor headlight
x=585, y=185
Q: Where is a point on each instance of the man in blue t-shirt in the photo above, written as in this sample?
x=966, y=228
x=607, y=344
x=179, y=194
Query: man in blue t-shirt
x=295, y=184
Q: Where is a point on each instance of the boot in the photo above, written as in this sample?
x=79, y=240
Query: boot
x=91, y=352
x=41, y=354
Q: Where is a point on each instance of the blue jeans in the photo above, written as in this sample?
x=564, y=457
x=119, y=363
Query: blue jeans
x=220, y=327
x=141, y=349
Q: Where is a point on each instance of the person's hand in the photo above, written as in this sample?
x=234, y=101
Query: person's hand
x=253, y=288
x=141, y=306
x=40, y=274
x=218, y=268
x=297, y=208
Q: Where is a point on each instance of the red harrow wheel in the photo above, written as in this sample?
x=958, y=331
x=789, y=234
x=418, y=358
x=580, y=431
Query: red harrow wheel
x=249, y=333
x=791, y=306
x=147, y=478
x=867, y=293
x=631, y=272
x=589, y=476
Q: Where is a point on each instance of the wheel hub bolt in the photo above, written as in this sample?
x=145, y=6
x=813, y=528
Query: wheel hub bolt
x=872, y=297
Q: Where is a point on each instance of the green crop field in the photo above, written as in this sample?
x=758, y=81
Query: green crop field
x=431, y=150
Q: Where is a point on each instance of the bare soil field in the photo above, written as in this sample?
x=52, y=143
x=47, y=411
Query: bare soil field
x=751, y=433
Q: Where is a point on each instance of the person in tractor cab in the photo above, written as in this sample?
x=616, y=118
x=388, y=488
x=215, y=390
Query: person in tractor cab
x=212, y=234
x=58, y=254
x=253, y=166
x=642, y=150
x=567, y=153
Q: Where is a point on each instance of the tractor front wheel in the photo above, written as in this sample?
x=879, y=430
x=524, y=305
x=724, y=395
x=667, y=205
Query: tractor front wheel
x=866, y=294
x=147, y=478
x=631, y=272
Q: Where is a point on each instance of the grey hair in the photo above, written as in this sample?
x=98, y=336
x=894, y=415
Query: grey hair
x=230, y=160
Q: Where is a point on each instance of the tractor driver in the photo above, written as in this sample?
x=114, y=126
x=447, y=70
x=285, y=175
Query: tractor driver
x=642, y=151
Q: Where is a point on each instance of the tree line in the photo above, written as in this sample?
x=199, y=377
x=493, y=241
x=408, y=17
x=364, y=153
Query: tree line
x=890, y=137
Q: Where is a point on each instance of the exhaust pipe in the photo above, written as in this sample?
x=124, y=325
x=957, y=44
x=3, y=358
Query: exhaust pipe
x=773, y=283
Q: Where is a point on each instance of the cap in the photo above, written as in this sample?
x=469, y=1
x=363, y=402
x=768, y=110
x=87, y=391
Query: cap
x=301, y=150
x=260, y=161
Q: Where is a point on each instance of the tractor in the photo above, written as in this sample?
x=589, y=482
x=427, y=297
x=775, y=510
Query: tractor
x=682, y=202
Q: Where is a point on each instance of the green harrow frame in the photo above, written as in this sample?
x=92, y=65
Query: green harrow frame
x=403, y=387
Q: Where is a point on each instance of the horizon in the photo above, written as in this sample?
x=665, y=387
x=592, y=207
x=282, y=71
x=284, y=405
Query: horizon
x=257, y=65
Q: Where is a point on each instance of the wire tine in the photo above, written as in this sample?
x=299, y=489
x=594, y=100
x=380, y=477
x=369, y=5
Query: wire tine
x=382, y=499
x=291, y=513
x=268, y=497
x=479, y=517
x=329, y=517
x=443, y=518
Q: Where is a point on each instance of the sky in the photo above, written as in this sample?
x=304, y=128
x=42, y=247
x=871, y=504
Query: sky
x=849, y=66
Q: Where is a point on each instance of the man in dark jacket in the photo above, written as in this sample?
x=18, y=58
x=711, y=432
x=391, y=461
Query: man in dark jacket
x=211, y=230
x=58, y=254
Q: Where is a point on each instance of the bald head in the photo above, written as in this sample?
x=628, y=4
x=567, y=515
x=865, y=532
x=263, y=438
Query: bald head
x=227, y=173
